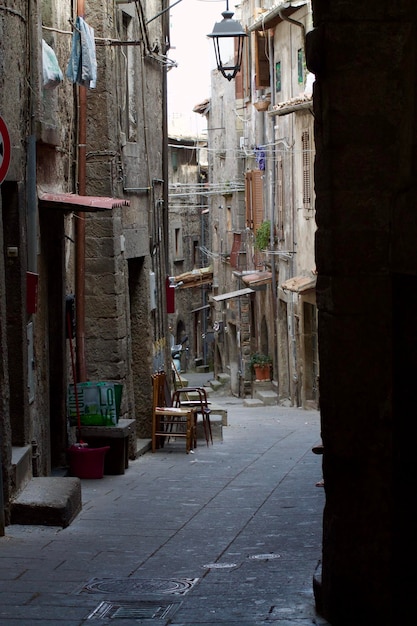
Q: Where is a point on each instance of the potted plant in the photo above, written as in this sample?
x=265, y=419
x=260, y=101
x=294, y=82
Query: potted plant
x=261, y=365
x=263, y=236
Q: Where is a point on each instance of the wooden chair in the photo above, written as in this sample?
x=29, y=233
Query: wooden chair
x=169, y=421
x=200, y=404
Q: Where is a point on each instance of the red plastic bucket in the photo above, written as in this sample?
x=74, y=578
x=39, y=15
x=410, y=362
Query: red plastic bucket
x=85, y=462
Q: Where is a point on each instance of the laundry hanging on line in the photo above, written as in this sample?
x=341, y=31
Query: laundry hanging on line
x=51, y=72
x=82, y=64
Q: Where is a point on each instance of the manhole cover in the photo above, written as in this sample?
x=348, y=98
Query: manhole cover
x=219, y=565
x=265, y=557
x=174, y=586
x=137, y=610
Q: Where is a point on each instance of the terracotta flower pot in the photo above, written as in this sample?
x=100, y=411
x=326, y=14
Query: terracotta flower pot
x=262, y=372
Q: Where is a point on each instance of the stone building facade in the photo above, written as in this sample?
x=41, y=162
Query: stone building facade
x=363, y=56
x=262, y=151
x=82, y=214
x=188, y=245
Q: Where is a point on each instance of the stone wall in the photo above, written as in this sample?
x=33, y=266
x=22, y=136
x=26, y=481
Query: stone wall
x=363, y=56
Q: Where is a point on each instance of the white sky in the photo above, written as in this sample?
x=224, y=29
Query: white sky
x=189, y=83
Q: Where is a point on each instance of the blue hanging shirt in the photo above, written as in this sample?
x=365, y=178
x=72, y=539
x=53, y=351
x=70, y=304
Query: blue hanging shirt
x=82, y=64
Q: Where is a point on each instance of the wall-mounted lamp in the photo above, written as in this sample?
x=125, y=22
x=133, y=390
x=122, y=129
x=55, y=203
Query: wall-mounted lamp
x=228, y=36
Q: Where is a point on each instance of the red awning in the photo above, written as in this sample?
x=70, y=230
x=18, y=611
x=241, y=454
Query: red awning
x=74, y=202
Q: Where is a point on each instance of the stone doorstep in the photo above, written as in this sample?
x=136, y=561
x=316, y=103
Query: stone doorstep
x=252, y=403
x=268, y=398
x=48, y=501
x=21, y=467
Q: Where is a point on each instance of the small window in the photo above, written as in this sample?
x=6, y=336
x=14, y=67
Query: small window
x=174, y=160
x=278, y=76
x=300, y=58
x=177, y=244
x=196, y=253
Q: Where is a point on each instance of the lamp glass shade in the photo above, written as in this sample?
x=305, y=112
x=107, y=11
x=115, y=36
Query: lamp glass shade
x=228, y=37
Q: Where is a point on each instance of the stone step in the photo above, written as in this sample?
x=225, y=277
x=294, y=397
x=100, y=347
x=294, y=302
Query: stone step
x=202, y=368
x=252, y=403
x=268, y=398
x=223, y=378
x=216, y=429
x=48, y=501
x=21, y=467
x=216, y=409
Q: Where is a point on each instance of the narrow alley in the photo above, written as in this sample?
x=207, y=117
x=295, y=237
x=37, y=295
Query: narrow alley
x=228, y=534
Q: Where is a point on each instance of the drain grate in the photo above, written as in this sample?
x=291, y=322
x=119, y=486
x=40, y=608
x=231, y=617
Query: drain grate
x=122, y=586
x=137, y=610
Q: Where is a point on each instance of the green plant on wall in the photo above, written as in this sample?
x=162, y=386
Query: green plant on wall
x=263, y=235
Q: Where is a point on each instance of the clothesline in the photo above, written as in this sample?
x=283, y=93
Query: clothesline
x=99, y=40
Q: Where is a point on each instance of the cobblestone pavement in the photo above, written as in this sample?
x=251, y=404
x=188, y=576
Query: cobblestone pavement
x=229, y=534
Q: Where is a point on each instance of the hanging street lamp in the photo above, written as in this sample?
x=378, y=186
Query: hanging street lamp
x=228, y=36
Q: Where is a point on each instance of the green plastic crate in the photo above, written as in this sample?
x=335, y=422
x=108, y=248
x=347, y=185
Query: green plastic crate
x=99, y=403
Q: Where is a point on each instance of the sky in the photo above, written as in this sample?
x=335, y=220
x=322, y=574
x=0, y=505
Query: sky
x=189, y=83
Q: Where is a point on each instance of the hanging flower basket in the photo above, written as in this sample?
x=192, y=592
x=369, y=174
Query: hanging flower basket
x=262, y=105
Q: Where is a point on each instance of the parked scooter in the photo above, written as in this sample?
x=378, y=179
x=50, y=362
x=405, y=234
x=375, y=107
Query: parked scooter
x=176, y=352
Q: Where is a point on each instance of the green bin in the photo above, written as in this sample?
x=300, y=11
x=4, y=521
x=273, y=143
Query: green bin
x=99, y=403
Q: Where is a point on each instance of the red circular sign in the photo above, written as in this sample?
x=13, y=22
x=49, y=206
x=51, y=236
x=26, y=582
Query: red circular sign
x=4, y=150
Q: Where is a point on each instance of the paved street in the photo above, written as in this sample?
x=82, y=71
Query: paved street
x=229, y=534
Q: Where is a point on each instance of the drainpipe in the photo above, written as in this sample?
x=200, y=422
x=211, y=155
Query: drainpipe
x=272, y=221
x=80, y=225
x=289, y=19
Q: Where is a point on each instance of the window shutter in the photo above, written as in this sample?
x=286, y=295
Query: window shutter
x=242, y=79
x=306, y=170
x=262, y=78
x=234, y=255
x=254, y=199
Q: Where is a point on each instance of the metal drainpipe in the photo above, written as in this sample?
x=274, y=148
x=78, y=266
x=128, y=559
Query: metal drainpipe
x=80, y=225
x=272, y=218
x=289, y=19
